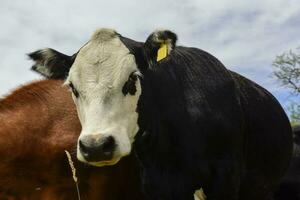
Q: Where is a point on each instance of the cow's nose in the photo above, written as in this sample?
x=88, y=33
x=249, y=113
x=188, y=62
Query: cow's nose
x=97, y=148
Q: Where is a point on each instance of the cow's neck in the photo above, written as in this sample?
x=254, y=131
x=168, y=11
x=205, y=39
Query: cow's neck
x=157, y=134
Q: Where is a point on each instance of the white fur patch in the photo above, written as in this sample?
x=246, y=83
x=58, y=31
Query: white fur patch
x=47, y=53
x=42, y=69
x=99, y=73
x=104, y=34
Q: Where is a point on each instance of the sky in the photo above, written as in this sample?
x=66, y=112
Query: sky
x=245, y=35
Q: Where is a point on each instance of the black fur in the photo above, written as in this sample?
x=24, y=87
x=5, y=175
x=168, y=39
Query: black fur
x=296, y=130
x=58, y=65
x=130, y=85
x=289, y=188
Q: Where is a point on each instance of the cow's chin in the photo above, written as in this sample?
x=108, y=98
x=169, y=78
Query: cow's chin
x=104, y=163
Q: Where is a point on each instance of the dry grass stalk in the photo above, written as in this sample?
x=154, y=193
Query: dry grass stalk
x=199, y=195
x=73, y=169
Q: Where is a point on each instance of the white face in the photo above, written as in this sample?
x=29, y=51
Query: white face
x=107, y=111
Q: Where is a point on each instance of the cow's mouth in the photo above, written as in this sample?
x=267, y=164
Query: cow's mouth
x=104, y=163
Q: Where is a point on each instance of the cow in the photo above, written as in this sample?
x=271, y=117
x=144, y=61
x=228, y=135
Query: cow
x=38, y=122
x=289, y=187
x=190, y=121
x=73, y=122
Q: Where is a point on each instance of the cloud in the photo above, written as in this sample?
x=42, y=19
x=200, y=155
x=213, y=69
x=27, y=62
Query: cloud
x=245, y=35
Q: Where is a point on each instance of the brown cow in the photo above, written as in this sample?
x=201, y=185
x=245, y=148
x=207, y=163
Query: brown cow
x=38, y=122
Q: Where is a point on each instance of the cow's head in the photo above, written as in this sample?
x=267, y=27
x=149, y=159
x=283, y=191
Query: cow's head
x=105, y=80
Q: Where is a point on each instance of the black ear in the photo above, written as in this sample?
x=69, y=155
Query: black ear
x=51, y=64
x=159, y=45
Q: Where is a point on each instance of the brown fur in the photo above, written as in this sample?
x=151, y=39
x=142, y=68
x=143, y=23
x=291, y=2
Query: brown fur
x=37, y=123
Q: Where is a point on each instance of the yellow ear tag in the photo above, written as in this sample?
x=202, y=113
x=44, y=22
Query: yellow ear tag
x=162, y=52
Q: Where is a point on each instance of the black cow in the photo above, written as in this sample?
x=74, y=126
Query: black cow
x=192, y=122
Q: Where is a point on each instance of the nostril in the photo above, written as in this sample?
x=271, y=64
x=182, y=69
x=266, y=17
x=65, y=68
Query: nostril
x=82, y=147
x=108, y=145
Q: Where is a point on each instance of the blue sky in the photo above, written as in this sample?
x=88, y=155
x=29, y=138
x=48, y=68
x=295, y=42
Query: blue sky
x=245, y=35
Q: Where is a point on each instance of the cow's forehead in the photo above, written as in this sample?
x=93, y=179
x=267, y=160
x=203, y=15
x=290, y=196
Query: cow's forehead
x=104, y=45
x=103, y=57
x=105, y=40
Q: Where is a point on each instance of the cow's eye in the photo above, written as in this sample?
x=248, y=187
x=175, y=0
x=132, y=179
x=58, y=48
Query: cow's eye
x=74, y=91
x=129, y=86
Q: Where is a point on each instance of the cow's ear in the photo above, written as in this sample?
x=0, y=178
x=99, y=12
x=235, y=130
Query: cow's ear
x=51, y=63
x=159, y=45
